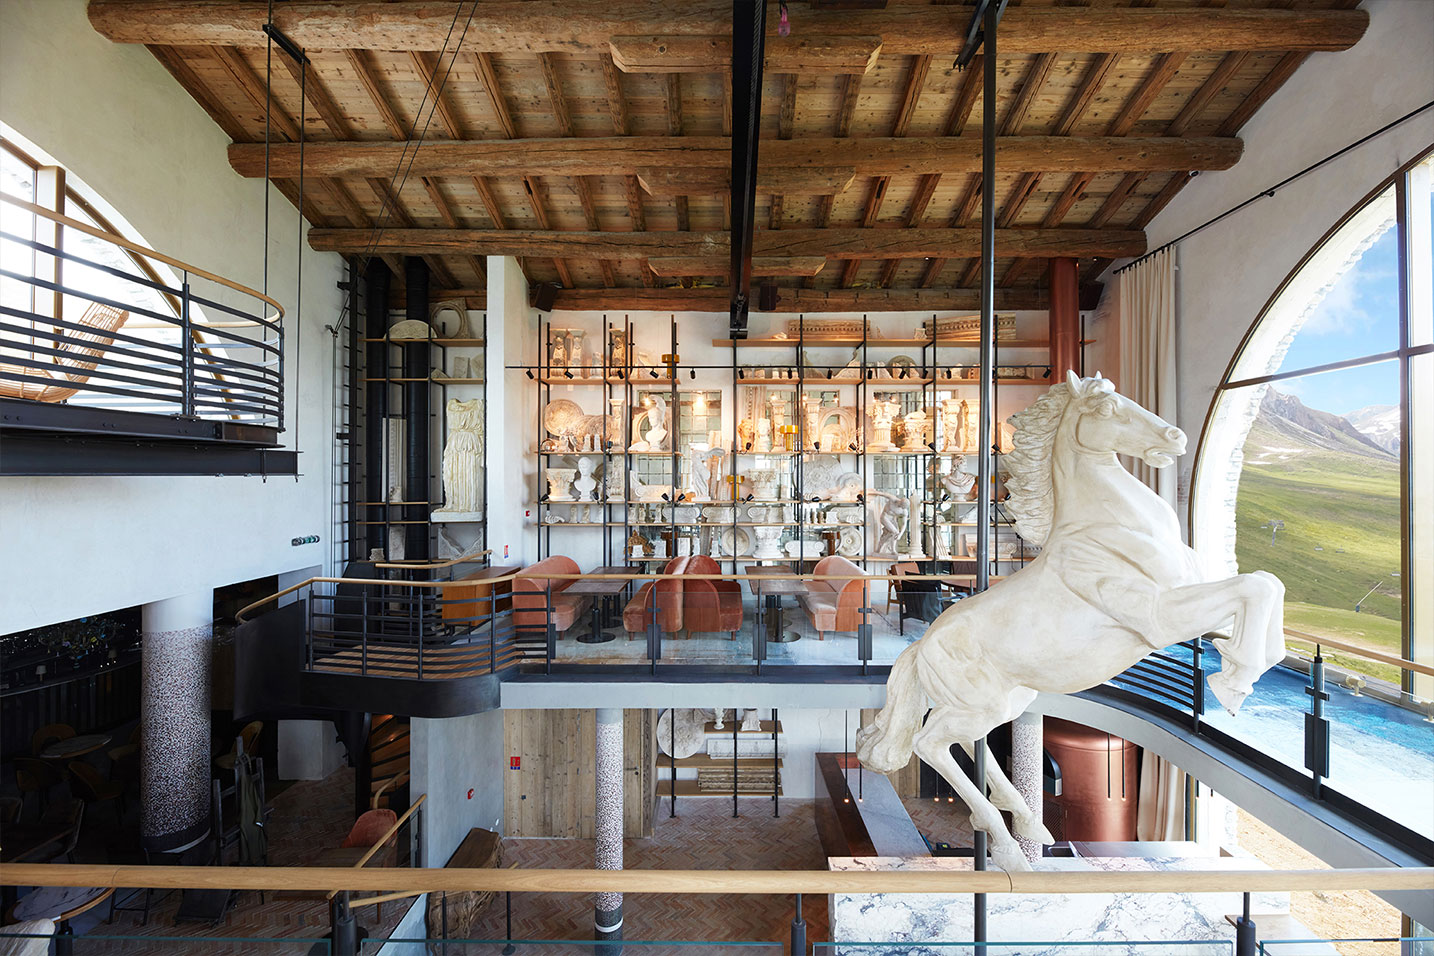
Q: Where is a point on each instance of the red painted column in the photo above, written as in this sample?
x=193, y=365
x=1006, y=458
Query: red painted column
x=1064, y=318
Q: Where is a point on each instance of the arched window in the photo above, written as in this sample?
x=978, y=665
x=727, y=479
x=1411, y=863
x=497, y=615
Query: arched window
x=1317, y=458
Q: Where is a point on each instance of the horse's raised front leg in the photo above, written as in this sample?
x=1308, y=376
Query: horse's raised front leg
x=944, y=727
x=1257, y=642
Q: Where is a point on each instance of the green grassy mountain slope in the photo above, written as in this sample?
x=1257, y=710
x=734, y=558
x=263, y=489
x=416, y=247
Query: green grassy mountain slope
x=1339, y=501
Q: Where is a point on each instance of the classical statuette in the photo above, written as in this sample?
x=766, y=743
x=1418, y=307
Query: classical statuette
x=953, y=424
x=651, y=424
x=559, y=482
x=812, y=435
x=751, y=720
x=637, y=546
x=955, y=480
x=883, y=413
x=764, y=436
x=890, y=521
x=698, y=476
x=915, y=538
x=1113, y=583
x=585, y=485
x=716, y=466
x=746, y=434
x=463, y=458
x=617, y=350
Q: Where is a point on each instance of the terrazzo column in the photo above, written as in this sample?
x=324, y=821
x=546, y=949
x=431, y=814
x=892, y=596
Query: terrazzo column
x=1028, y=770
x=607, y=913
x=174, y=720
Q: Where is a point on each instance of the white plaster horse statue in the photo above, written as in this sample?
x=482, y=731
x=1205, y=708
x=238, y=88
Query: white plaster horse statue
x=1113, y=583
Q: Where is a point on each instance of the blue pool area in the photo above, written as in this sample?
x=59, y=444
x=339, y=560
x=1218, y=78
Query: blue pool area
x=1381, y=754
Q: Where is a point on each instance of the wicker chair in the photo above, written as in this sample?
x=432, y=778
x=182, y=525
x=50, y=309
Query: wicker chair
x=73, y=366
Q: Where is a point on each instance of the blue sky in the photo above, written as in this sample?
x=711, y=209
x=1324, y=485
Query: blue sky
x=1360, y=315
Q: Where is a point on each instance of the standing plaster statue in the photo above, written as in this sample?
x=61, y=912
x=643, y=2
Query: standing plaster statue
x=1113, y=584
x=463, y=458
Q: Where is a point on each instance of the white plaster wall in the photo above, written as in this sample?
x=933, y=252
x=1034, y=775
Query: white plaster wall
x=1229, y=271
x=119, y=122
x=458, y=762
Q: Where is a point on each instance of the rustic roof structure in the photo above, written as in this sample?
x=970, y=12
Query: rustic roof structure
x=591, y=138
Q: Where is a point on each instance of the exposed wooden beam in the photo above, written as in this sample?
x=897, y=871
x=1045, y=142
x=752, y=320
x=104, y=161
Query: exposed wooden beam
x=488, y=79
x=616, y=102
x=238, y=68
x=788, y=300
x=711, y=181
x=1030, y=86
x=1090, y=85
x=831, y=243
x=685, y=266
x=875, y=156
x=799, y=55
x=1212, y=86
x=544, y=26
x=1275, y=79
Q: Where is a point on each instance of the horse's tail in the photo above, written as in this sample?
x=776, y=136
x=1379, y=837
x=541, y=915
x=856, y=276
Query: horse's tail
x=885, y=746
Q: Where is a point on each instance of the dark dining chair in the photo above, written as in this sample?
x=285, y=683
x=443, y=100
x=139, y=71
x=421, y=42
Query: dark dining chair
x=92, y=787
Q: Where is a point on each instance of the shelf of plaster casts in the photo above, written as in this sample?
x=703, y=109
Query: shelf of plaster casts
x=435, y=341
x=560, y=379
x=816, y=342
x=457, y=517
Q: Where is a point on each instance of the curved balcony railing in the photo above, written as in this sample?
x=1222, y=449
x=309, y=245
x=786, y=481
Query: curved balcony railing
x=1366, y=752
x=90, y=319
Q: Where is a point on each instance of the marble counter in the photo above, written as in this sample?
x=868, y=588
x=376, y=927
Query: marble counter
x=1160, y=918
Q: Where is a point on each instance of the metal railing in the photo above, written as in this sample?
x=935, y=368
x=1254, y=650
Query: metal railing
x=87, y=318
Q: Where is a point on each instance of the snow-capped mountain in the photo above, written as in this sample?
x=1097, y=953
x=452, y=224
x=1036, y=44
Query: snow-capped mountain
x=1378, y=423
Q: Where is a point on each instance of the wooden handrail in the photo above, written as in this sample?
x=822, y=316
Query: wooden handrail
x=1382, y=658
x=767, y=882
x=435, y=565
x=386, y=897
x=138, y=249
x=378, y=845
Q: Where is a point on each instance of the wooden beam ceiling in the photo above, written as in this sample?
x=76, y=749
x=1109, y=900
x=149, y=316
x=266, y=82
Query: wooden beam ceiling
x=828, y=243
x=709, y=299
x=573, y=26
x=565, y=130
x=869, y=156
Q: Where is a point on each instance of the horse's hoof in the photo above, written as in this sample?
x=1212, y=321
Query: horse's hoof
x=1229, y=696
x=1011, y=859
x=1035, y=831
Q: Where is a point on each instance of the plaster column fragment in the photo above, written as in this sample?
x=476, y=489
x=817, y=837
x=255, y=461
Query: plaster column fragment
x=1028, y=770
x=174, y=718
x=607, y=913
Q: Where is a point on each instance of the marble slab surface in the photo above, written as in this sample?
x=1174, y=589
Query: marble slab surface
x=1121, y=919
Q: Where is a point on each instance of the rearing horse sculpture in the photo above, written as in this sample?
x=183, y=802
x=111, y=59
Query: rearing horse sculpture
x=1112, y=584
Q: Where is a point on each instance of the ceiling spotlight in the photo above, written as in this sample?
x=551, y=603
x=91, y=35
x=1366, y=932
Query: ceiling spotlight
x=529, y=373
x=1046, y=373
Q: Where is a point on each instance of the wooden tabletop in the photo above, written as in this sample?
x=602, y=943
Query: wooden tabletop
x=794, y=586
x=59, y=902
x=598, y=586
x=75, y=746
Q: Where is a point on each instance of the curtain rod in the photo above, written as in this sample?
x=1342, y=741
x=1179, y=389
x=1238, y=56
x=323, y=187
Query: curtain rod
x=1270, y=192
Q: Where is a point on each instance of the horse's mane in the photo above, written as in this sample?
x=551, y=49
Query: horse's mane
x=1032, y=498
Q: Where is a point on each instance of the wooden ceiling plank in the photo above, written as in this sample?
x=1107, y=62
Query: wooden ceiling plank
x=1161, y=73
x=767, y=266
x=1090, y=85
x=450, y=221
x=1116, y=199
x=490, y=202
x=1201, y=98
x=173, y=60
x=436, y=90
x=572, y=25
x=488, y=80
x=1036, y=77
x=850, y=95
x=806, y=55
x=1275, y=79
x=616, y=102
x=358, y=62
x=547, y=63
x=869, y=156
x=251, y=86
x=841, y=243
x=1162, y=199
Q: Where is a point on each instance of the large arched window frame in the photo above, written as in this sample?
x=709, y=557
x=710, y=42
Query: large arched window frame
x=1400, y=203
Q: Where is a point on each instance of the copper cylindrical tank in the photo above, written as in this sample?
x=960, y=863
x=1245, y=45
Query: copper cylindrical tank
x=1099, y=796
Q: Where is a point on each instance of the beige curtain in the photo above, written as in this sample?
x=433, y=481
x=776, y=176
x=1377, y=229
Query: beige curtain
x=1160, y=814
x=1147, y=352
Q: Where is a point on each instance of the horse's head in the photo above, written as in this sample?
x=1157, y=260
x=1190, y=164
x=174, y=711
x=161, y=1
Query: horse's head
x=1110, y=422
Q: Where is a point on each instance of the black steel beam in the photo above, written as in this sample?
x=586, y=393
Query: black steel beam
x=33, y=453
x=749, y=33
